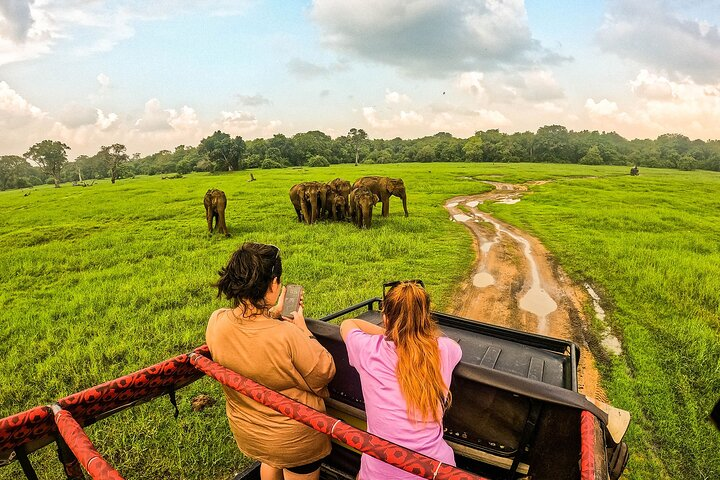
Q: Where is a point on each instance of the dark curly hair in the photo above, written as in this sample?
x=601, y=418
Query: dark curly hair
x=248, y=275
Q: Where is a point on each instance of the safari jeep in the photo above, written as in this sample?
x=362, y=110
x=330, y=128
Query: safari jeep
x=516, y=411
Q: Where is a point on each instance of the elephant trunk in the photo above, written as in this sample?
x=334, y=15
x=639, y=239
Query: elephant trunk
x=403, y=196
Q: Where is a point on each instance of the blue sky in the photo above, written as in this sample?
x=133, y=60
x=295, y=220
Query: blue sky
x=154, y=75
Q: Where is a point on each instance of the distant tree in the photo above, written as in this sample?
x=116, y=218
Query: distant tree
x=687, y=163
x=223, y=151
x=592, y=157
x=286, y=147
x=10, y=166
x=50, y=156
x=357, y=137
x=310, y=144
x=473, y=148
x=114, y=156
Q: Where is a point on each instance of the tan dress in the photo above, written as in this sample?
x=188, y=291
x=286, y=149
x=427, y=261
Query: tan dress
x=282, y=357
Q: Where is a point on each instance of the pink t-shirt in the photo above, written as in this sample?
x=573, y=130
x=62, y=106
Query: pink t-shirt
x=375, y=360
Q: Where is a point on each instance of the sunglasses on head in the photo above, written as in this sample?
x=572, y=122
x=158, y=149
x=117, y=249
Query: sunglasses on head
x=277, y=254
x=390, y=285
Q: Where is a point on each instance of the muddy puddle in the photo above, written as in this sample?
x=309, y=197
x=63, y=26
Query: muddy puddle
x=516, y=284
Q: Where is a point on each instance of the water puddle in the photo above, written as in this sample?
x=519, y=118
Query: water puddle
x=536, y=301
x=461, y=217
x=609, y=341
x=483, y=279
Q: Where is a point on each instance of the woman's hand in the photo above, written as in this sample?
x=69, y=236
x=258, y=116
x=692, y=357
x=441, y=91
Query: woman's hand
x=298, y=318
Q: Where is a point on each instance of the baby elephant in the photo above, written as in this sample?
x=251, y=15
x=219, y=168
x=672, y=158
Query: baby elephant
x=362, y=201
x=215, y=203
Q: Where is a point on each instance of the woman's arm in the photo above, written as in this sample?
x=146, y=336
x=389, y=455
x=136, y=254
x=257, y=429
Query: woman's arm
x=351, y=324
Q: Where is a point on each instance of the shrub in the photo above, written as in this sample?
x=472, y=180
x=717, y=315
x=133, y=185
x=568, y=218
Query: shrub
x=318, y=161
x=268, y=163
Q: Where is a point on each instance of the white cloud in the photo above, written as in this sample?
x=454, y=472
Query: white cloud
x=30, y=28
x=104, y=122
x=603, y=108
x=246, y=124
x=471, y=82
x=103, y=80
x=492, y=119
x=156, y=118
x=656, y=35
x=15, y=19
x=15, y=108
x=662, y=105
x=432, y=38
x=397, y=120
x=395, y=97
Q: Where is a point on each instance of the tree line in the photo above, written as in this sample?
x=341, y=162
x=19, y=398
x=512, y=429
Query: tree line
x=47, y=161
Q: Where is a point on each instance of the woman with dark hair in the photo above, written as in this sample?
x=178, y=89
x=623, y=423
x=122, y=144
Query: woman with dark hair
x=405, y=369
x=281, y=353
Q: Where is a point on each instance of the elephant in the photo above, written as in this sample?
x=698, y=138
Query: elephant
x=384, y=188
x=296, y=195
x=215, y=203
x=337, y=205
x=362, y=201
x=324, y=191
x=306, y=198
x=341, y=187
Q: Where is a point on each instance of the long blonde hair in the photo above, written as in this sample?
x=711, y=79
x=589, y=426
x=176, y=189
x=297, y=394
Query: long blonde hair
x=408, y=324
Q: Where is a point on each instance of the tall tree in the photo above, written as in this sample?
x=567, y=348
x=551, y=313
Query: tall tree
x=114, y=156
x=223, y=151
x=357, y=136
x=473, y=148
x=50, y=156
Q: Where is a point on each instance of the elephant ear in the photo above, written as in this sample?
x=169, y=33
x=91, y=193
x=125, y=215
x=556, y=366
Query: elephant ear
x=375, y=199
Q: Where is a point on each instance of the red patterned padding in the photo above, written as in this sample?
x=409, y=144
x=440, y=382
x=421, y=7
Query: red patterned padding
x=23, y=427
x=587, y=446
x=141, y=386
x=83, y=448
x=370, y=444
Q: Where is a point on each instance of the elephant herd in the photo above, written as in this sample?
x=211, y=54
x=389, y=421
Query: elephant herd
x=313, y=201
x=339, y=200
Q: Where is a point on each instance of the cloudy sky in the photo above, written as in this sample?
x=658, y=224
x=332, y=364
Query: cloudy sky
x=157, y=74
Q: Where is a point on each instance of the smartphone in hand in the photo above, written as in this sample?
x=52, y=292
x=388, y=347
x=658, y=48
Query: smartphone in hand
x=292, y=300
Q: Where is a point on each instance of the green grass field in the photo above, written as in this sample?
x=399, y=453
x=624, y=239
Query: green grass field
x=101, y=281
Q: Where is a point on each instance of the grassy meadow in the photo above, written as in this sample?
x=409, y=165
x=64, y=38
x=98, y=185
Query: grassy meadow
x=101, y=281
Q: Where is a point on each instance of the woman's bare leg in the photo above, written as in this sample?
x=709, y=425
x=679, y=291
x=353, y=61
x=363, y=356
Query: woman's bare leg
x=302, y=476
x=270, y=473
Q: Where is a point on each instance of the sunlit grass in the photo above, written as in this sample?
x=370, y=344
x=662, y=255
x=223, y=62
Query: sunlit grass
x=651, y=244
x=101, y=281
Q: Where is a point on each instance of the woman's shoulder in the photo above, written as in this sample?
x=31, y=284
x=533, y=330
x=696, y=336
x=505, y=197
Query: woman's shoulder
x=451, y=346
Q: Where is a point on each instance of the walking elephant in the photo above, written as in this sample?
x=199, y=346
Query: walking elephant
x=362, y=201
x=306, y=198
x=215, y=203
x=384, y=188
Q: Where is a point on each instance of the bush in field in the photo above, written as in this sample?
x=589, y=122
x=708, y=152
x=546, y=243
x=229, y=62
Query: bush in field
x=318, y=161
x=592, y=157
x=267, y=163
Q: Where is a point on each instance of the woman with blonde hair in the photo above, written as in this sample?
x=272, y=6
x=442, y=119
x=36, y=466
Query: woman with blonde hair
x=405, y=369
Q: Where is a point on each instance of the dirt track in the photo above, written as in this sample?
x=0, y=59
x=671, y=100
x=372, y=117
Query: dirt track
x=516, y=284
